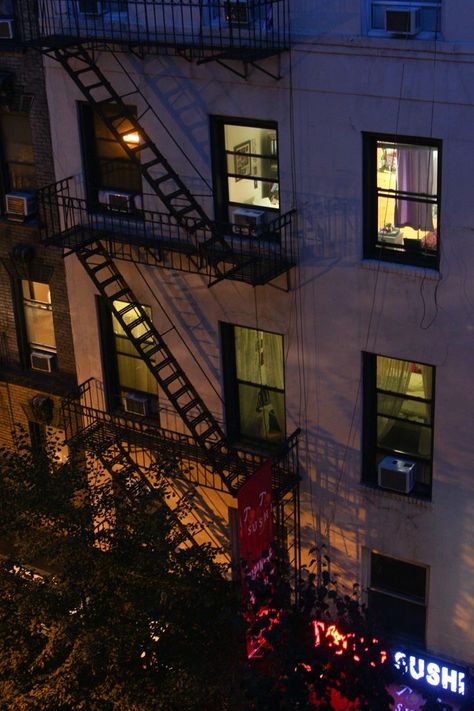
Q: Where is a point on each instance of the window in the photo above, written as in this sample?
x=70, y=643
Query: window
x=108, y=167
x=398, y=417
x=38, y=316
x=254, y=384
x=400, y=18
x=397, y=597
x=18, y=158
x=133, y=373
x=245, y=158
x=124, y=370
x=402, y=200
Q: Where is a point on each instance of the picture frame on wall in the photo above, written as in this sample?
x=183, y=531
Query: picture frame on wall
x=242, y=160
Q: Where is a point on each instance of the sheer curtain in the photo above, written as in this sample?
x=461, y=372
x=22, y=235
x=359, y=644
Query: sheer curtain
x=259, y=363
x=394, y=376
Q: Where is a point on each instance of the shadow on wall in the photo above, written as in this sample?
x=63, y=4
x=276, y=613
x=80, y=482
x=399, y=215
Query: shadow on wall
x=329, y=228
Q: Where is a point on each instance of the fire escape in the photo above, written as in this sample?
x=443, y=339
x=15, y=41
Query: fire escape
x=179, y=236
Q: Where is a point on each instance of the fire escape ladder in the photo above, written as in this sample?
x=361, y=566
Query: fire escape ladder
x=159, y=359
x=154, y=167
x=115, y=458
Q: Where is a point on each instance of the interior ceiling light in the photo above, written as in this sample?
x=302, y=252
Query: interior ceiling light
x=132, y=139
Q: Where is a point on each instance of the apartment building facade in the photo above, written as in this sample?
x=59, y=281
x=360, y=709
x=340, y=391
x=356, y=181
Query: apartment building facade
x=266, y=211
x=36, y=350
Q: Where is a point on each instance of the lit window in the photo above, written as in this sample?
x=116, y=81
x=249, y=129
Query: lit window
x=398, y=419
x=402, y=201
x=108, y=167
x=397, y=597
x=255, y=390
x=38, y=313
x=133, y=373
x=246, y=168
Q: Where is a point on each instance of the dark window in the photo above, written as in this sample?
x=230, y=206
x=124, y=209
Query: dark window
x=397, y=597
x=18, y=158
x=125, y=373
x=398, y=423
x=246, y=175
x=38, y=316
x=108, y=167
x=254, y=382
x=402, y=200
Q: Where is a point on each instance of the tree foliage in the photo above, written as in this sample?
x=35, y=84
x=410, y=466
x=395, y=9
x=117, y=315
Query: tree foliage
x=127, y=614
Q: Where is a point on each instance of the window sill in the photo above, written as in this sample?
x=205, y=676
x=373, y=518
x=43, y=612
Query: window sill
x=55, y=383
x=412, y=498
x=408, y=270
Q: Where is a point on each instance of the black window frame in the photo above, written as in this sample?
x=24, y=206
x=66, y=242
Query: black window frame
x=222, y=202
x=113, y=389
x=231, y=390
x=91, y=161
x=373, y=247
x=397, y=599
x=372, y=452
x=7, y=183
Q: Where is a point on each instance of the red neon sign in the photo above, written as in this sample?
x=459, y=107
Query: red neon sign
x=343, y=641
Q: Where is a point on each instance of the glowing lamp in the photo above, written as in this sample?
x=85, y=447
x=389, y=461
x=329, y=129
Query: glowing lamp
x=132, y=139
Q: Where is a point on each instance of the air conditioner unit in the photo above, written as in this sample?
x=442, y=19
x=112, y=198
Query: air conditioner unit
x=247, y=221
x=6, y=28
x=19, y=206
x=402, y=21
x=42, y=361
x=115, y=200
x=135, y=403
x=238, y=13
x=397, y=474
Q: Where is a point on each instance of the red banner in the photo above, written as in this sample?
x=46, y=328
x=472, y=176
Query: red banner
x=254, y=501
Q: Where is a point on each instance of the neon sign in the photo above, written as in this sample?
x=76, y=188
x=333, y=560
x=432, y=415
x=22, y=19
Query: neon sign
x=344, y=642
x=438, y=675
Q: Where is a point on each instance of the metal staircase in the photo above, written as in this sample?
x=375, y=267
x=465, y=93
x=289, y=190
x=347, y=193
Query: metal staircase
x=110, y=450
x=120, y=120
x=159, y=359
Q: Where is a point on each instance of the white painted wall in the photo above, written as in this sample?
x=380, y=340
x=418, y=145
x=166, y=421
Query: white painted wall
x=339, y=305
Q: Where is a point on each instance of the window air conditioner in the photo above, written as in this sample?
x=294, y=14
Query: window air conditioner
x=42, y=361
x=121, y=202
x=6, y=28
x=247, y=221
x=135, y=403
x=238, y=13
x=397, y=474
x=19, y=205
x=402, y=21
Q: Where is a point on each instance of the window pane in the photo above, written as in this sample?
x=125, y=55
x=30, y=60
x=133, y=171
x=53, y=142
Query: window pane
x=38, y=314
x=262, y=413
x=397, y=617
x=404, y=377
x=407, y=201
x=134, y=374
x=398, y=576
x=252, y=161
x=394, y=406
x=129, y=317
x=404, y=437
x=39, y=326
x=36, y=290
x=259, y=357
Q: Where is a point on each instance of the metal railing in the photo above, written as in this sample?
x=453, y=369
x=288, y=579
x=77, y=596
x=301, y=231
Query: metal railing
x=247, y=29
x=90, y=424
x=254, y=255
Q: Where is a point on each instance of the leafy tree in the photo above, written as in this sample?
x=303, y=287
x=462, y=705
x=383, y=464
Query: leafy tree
x=318, y=653
x=128, y=614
